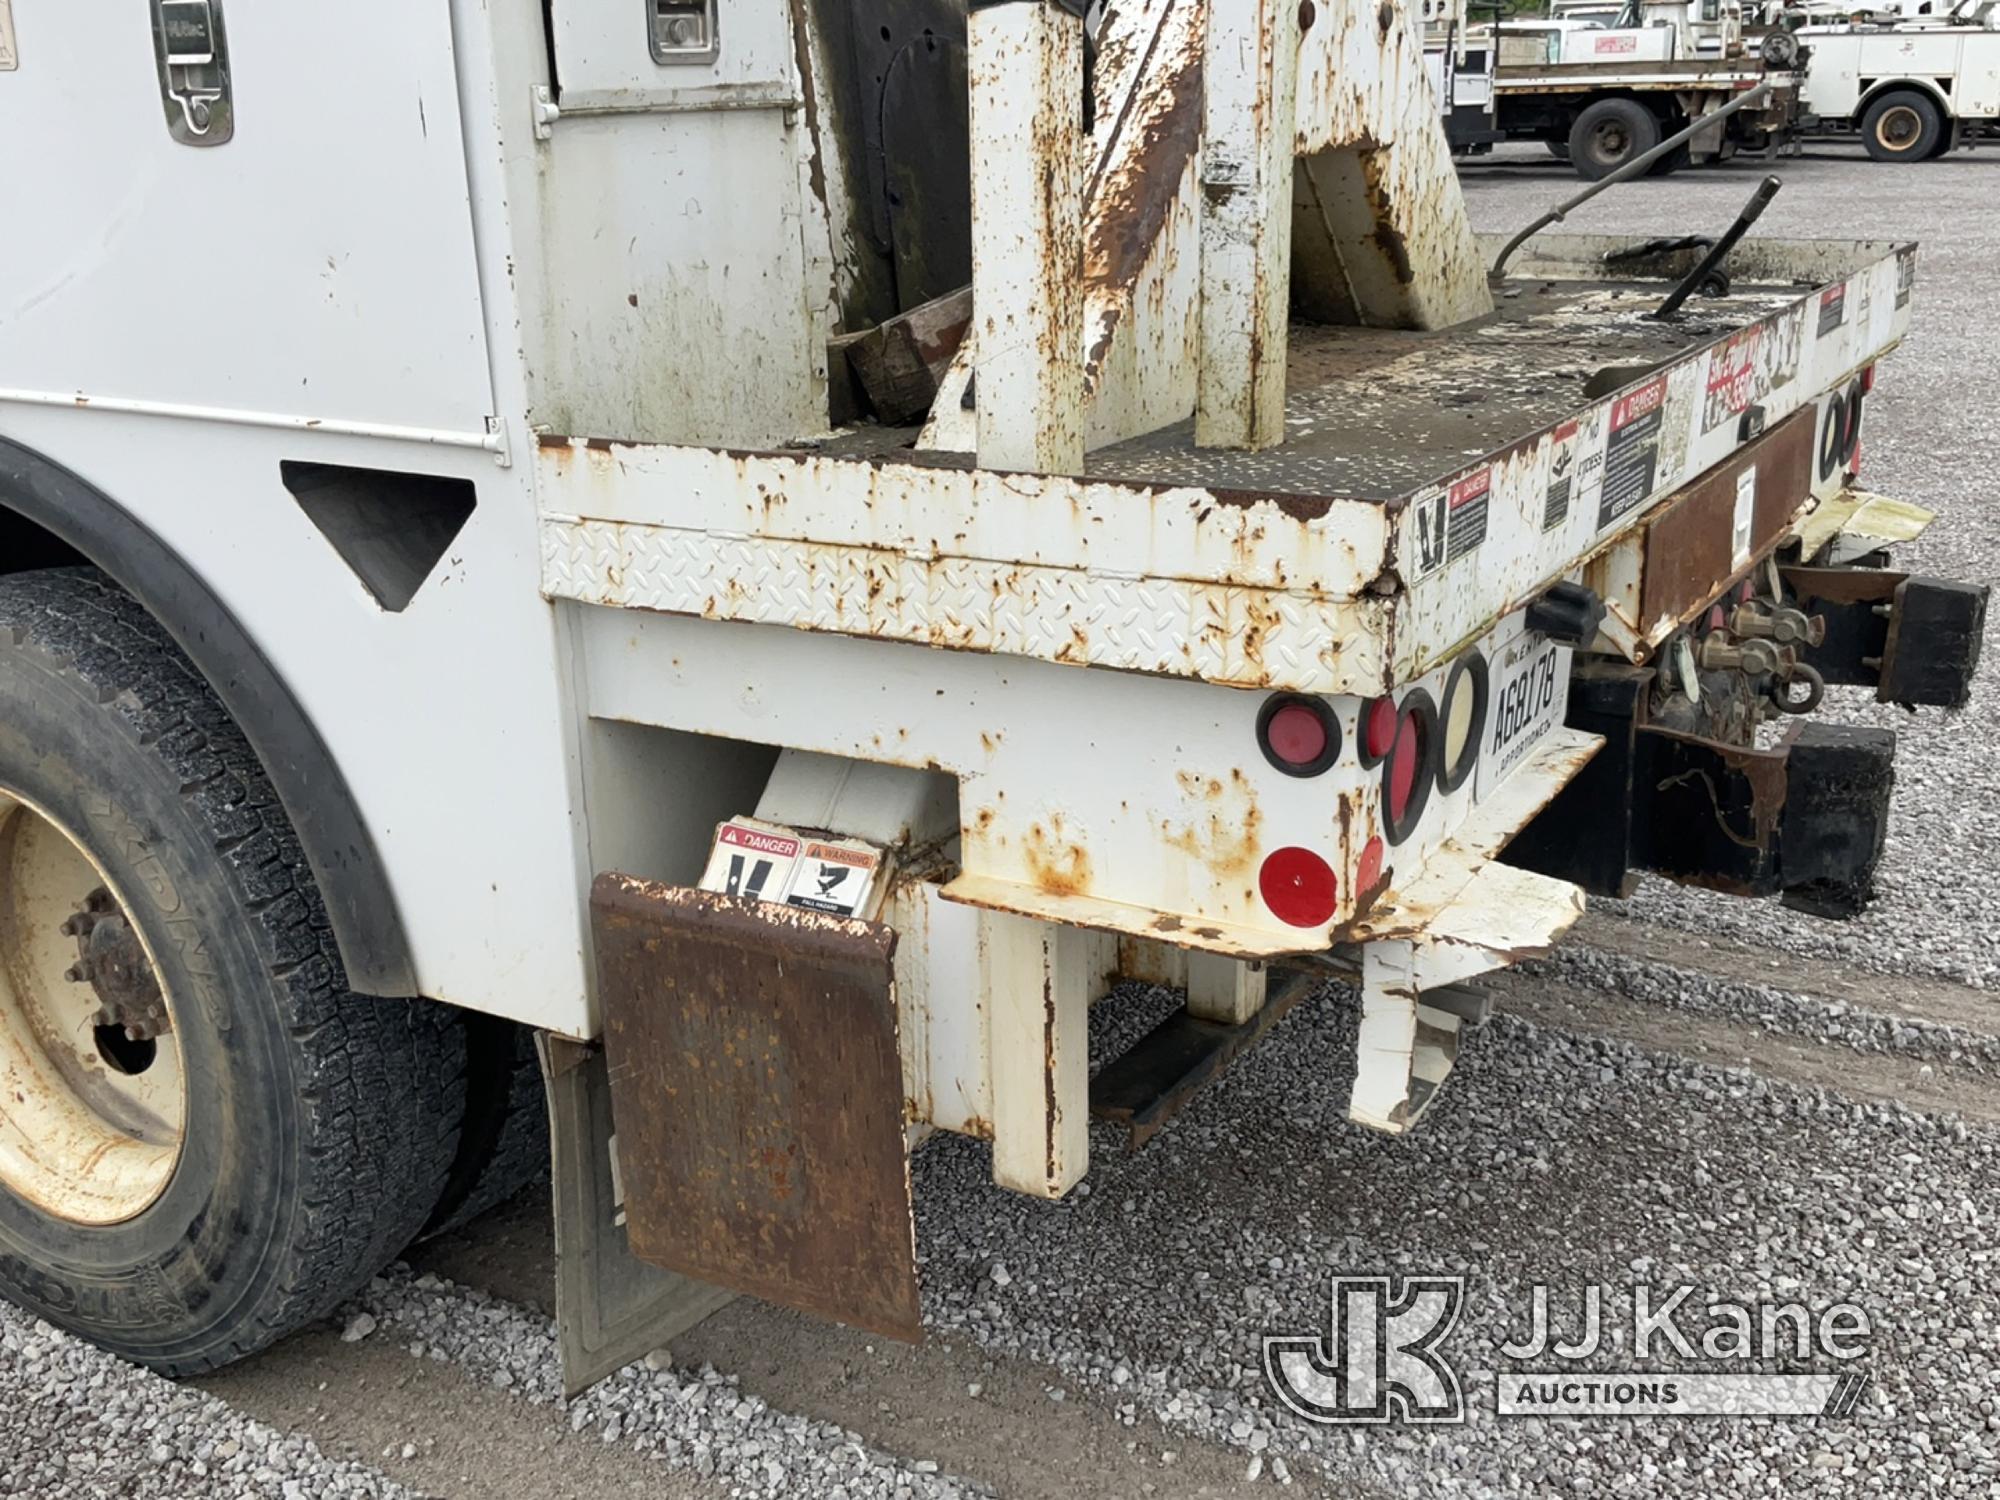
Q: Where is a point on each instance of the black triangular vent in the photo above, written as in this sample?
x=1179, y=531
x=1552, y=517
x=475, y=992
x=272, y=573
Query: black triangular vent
x=390, y=528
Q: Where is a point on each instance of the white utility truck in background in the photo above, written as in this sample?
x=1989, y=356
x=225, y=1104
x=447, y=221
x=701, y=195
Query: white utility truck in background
x=1913, y=85
x=1601, y=91
x=686, y=586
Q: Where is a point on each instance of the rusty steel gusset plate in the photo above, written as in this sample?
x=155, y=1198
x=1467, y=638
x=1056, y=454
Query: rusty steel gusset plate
x=757, y=1093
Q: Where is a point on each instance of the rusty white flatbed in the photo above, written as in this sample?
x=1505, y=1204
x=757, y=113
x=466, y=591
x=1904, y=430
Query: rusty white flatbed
x=1429, y=484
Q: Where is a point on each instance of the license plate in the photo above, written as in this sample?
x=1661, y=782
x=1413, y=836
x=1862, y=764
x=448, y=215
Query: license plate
x=1530, y=696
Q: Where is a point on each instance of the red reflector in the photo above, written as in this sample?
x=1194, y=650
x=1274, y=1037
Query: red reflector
x=1409, y=759
x=1867, y=380
x=1371, y=866
x=1296, y=735
x=1299, y=887
x=1379, y=733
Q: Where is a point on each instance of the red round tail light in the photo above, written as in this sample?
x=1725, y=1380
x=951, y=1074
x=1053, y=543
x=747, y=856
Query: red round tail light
x=1409, y=771
x=1299, y=887
x=1378, y=731
x=1299, y=735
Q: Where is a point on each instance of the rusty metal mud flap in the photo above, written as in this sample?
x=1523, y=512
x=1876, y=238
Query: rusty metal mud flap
x=757, y=1092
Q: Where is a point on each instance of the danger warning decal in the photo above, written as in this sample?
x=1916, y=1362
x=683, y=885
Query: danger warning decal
x=752, y=861
x=1832, y=310
x=1469, y=500
x=1906, y=276
x=1632, y=452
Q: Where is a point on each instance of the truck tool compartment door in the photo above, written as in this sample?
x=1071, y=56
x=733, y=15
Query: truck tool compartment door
x=318, y=263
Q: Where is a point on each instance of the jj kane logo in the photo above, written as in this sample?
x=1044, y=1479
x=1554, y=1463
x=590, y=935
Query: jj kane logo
x=1385, y=1358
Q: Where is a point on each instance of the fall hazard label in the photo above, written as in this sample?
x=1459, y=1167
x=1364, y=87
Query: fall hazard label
x=1832, y=309
x=1632, y=452
x=835, y=878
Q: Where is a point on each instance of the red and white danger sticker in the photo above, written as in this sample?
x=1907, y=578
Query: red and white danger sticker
x=767, y=862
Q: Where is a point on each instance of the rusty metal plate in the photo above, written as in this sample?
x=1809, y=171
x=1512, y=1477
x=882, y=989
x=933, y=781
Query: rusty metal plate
x=757, y=1091
x=1690, y=541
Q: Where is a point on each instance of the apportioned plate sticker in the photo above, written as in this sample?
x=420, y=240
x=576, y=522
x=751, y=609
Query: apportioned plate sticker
x=1530, y=696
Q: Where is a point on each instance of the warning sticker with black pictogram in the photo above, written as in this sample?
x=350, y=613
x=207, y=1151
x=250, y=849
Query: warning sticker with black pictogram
x=1632, y=452
x=1469, y=500
x=1562, y=475
x=1832, y=309
x=837, y=878
x=752, y=860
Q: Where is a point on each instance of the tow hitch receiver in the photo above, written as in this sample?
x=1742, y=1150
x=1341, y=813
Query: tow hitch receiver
x=757, y=1090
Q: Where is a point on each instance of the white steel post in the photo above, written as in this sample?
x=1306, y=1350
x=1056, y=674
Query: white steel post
x=1038, y=978
x=1225, y=989
x=1249, y=143
x=1026, y=64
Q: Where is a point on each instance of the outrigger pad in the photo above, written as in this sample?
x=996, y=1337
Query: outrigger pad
x=757, y=1093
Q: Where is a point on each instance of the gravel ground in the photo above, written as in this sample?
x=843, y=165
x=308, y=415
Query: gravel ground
x=80, y=1422
x=1556, y=1156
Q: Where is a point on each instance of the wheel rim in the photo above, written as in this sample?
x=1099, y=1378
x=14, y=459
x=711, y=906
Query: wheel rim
x=93, y=1100
x=1610, y=142
x=1898, y=128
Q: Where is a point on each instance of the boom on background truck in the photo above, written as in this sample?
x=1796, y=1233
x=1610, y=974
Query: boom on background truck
x=695, y=583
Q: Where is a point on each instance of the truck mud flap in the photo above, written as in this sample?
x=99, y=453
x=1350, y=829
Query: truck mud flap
x=611, y=1307
x=757, y=1088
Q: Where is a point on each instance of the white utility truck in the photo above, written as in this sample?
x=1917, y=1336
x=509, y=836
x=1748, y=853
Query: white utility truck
x=1603, y=91
x=687, y=586
x=1912, y=86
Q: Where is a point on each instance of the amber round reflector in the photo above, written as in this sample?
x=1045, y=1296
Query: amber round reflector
x=1299, y=887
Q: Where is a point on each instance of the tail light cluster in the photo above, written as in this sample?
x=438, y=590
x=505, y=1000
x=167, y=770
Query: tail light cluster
x=1416, y=744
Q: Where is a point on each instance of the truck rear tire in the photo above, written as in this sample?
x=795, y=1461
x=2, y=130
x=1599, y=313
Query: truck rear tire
x=1610, y=133
x=207, y=1141
x=504, y=1148
x=1902, y=126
